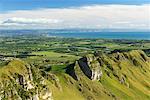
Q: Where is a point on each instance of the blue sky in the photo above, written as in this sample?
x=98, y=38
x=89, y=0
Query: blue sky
x=96, y=14
x=9, y=5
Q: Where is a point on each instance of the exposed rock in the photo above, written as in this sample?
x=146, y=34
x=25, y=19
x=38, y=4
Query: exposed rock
x=96, y=74
x=83, y=64
x=91, y=65
x=27, y=85
x=35, y=97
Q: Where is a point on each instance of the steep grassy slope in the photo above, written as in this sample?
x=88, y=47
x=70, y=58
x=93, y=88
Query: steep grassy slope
x=21, y=81
x=123, y=75
x=120, y=76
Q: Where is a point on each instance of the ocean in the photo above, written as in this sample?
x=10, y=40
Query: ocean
x=85, y=34
x=103, y=35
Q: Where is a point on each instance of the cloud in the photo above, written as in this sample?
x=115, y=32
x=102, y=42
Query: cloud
x=26, y=21
x=95, y=16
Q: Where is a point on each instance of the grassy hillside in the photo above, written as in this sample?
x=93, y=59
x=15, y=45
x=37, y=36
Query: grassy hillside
x=123, y=75
x=98, y=76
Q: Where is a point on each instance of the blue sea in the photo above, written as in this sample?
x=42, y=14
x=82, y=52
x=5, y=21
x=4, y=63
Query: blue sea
x=85, y=34
x=103, y=35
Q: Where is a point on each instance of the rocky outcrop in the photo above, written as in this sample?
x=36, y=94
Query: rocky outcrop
x=117, y=73
x=94, y=66
x=26, y=84
x=88, y=66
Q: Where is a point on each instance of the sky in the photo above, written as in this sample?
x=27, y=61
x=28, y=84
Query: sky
x=94, y=14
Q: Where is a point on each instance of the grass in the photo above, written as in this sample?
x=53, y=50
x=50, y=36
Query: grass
x=54, y=56
x=116, y=88
x=67, y=91
x=15, y=66
x=58, y=68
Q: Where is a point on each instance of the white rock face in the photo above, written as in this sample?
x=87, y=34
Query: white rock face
x=29, y=85
x=95, y=68
x=30, y=89
x=91, y=67
x=47, y=95
x=35, y=97
x=96, y=74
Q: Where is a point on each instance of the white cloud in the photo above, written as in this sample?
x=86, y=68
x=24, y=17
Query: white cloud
x=95, y=16
x=30, y=21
